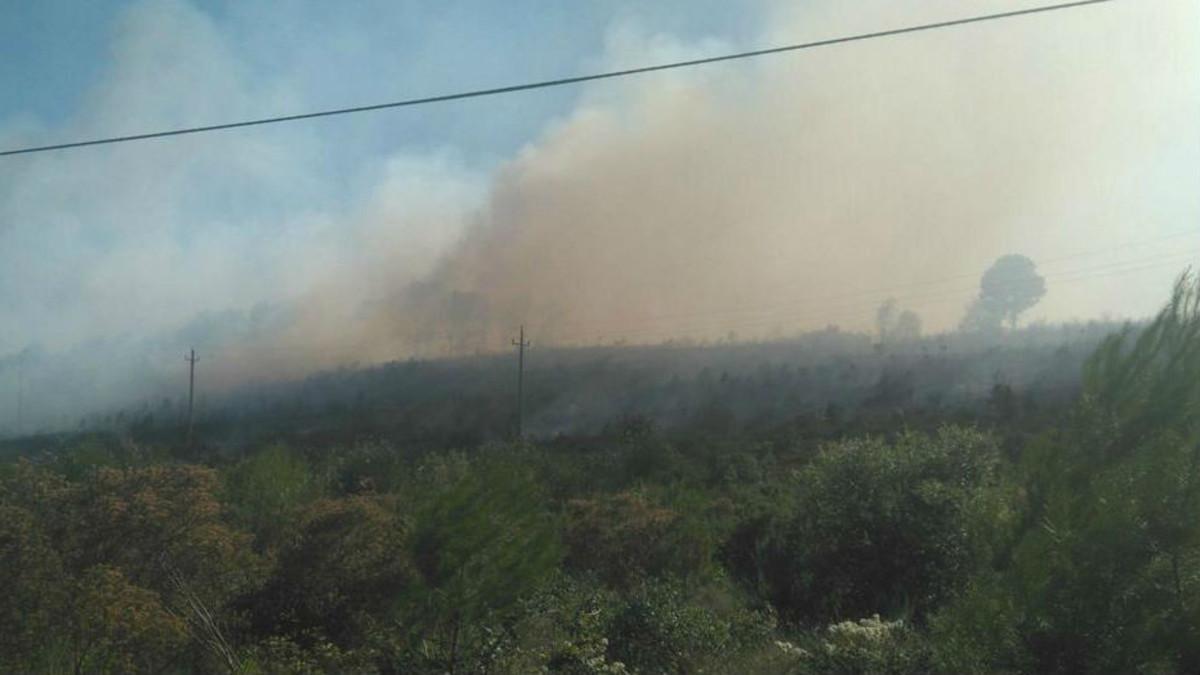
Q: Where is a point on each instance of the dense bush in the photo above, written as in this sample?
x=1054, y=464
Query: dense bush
x=875, y=526
x=1105, y=574
x=339, y=577
x=868, y=645
x=844, y=541
x=664, y=628
x=624, y=538
x=122, y=570
x=267, y=491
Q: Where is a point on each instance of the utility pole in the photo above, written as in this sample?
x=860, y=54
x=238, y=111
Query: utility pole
x=520, y=344
x=191, y=359
x=20, y=394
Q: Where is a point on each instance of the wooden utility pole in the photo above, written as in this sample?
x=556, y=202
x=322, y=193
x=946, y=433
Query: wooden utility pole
x=191, y=359
x=20, y=394
x=520, y=344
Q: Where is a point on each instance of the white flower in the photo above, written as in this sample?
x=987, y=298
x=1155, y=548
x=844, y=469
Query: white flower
x=791, y=649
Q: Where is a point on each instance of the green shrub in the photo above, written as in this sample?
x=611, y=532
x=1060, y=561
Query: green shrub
x=625, y=537
x=665, y=628
x=267, y=492
x=1106, y=574
x=876, y=526
x=483, y=539
x=342, y=574
x=869, y=645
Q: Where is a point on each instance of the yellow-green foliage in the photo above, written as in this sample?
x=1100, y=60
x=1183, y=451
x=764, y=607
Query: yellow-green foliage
x=113, y=566
x=267, y=490
x=117, y=626
x=625, y=537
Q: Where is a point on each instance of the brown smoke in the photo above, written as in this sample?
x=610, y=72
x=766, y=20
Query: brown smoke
x=790, y=193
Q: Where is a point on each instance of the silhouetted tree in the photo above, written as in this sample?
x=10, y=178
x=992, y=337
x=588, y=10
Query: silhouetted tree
x=1008, y=288
x=885, y=317
x=908, y=326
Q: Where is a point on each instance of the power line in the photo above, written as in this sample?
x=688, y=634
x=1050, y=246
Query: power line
x=917, y=289
x=659, y=327
x=836, y=307
x=543, y=84
x=840, y=306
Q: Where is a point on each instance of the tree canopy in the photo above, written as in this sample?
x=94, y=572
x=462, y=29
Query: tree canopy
x=1008, y=288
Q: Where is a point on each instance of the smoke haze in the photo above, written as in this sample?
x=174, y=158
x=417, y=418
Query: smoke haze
x=763, y=198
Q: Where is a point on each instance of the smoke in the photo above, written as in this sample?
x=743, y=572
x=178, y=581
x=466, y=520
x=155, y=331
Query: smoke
x=763, y=198
x=786, y=194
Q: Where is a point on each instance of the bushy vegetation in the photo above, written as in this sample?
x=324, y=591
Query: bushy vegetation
x=1012, y=537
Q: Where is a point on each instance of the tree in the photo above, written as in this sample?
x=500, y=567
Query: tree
x=268, y=491
x=118, y=626
x=625, y=537
x=895, y=325
x=1104, y=572
x=877, y=527
x=885, y=317
x=1008, y=288
x=483, y=538
x=111, y=566
x=662, y=627
x=35, y=593
x=980, y=318
x=908, y=326
x=348, y=561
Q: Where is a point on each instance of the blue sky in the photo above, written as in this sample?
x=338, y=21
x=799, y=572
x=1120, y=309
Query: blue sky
x=49, y=54
x=338, y=54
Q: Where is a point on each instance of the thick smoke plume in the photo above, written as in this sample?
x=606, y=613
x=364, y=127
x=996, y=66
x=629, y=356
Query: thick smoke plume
x=795, y=192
